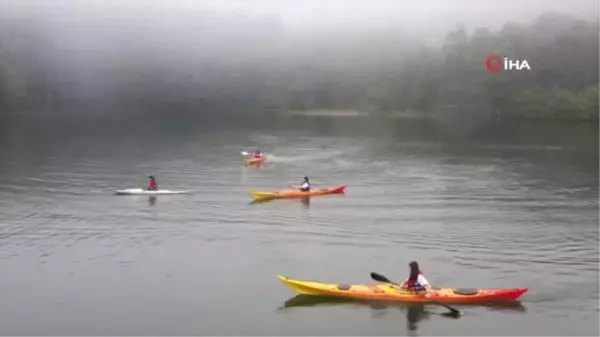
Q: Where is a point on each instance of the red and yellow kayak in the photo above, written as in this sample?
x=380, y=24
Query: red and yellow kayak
x=296, y=193
x=392, y=293
x=254, y=161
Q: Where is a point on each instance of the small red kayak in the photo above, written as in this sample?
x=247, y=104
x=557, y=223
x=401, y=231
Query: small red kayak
x=254, y=161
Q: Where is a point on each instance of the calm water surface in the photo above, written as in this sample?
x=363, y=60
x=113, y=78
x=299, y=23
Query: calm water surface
x=507, y=207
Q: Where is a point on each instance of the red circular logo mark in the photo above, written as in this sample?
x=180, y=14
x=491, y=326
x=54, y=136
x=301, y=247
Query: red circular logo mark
x=493, y=63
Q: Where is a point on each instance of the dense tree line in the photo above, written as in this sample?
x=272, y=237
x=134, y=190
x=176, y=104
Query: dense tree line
x=11, y=89
x=563, y=81
x=563, y=55
x=216, y=64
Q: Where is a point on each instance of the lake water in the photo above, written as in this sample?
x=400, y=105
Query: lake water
x=506, y=206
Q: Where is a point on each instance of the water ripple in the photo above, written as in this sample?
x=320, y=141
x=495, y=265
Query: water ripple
x=492, y=220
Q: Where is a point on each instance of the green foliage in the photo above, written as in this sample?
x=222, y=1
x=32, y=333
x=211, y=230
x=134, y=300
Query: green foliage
x=562, y=84
x=560, y=103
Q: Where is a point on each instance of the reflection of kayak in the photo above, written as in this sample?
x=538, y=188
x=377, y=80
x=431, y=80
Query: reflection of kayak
x=253, y=161
x=323, y=301
x=296, y=193
x=141, y=191
x=388, y=292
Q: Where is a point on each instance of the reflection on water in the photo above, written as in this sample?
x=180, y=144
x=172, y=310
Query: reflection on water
x=313, y=301
x=304, y=201
x=152, y=200
x=414, y=312
x=260, y=201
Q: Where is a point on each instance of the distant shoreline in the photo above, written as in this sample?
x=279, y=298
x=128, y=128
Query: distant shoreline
x=328, y=113
x=412, y=114
x=356, y=113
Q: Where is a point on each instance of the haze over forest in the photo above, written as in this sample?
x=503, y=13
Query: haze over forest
x=219, y=56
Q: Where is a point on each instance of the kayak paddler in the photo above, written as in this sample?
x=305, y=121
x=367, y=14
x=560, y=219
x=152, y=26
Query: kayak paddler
x=416, y=282
x=152, y=185
x=257, y=154
x=305, y=187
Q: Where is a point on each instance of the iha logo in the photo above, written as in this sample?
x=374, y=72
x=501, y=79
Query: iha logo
x=495, y=63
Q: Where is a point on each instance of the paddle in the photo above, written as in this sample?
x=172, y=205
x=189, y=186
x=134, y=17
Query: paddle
x=146, y=176
x=381, y=278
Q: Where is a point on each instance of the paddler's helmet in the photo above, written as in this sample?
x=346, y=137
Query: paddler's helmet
x=305, y=178
x=151, y=177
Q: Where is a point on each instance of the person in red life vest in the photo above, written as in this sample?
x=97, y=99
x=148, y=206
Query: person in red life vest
x=416, y=281
x=257, y=154
x=152, y=185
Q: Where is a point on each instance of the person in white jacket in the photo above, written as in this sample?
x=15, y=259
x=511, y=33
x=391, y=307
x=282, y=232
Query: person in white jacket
x=305, y=187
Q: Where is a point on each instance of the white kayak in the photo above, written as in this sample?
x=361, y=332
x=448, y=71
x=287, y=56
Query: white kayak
x=141, y=191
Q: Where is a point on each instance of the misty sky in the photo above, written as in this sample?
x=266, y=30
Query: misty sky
x=423, y=15
x=102, y=47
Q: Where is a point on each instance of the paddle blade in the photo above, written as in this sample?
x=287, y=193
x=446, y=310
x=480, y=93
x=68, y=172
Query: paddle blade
x=244, y=153
x=380, y=278
x=452, y=314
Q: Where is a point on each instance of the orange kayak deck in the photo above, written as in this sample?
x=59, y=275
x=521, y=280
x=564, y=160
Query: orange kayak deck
x=296, y=193
x=392, y=293
x=253, y=161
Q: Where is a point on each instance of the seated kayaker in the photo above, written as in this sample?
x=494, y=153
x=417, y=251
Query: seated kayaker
x=416, y=282
x=257, y=154
x=305, y=187
x=152, y=185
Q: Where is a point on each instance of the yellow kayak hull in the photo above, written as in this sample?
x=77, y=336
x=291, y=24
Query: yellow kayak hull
x=388, y=292
x=296, y=193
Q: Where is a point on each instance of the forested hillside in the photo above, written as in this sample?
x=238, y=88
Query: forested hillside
x=213, y=64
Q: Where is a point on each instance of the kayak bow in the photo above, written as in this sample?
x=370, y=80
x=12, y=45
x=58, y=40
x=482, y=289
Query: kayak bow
x=296, y=193
x=392, y=293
